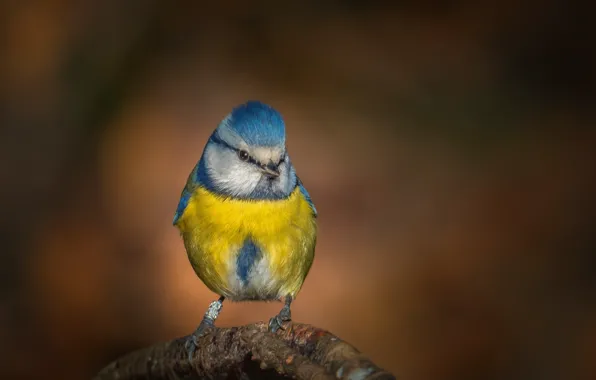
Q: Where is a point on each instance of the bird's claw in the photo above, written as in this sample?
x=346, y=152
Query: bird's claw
x=191, y=346
x=192, y=341
x=276, y=322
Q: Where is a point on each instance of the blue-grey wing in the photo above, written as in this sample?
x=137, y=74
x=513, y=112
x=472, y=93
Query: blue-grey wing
x=307, y=197
x=186, y=194
x=184, y=198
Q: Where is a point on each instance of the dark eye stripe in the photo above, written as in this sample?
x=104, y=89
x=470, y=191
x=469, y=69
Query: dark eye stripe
x=252, y=161
x=215, y=138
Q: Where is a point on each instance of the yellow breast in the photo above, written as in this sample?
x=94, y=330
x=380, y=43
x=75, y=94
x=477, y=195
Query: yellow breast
x=215, y=228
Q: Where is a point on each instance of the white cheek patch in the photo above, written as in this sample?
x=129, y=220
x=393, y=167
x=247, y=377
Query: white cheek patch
x=244, y=179
x=229, y=173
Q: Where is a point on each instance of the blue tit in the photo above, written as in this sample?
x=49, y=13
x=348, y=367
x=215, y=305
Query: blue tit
x=247, y=221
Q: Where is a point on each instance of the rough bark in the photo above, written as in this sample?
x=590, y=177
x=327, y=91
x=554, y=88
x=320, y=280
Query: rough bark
x=249, y=352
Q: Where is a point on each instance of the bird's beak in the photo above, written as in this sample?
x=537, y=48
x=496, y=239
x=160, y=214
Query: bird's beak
x=270, y=170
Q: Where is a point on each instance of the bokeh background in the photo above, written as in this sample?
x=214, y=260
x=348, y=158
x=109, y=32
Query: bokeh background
x=448, y=145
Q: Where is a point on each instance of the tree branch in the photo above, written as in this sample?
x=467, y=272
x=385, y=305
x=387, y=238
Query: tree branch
x=299, y=351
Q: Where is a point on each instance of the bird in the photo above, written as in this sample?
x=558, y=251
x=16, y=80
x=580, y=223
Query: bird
x=246, y=219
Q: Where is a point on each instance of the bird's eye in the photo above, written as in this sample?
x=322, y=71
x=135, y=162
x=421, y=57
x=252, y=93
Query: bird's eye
x=243, y=155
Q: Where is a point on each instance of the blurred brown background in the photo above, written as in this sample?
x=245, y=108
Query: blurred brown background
x=449, y=147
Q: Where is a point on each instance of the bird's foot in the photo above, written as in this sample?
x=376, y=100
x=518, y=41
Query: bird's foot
x=192, y=342
x=276, y=322
x=208, y=323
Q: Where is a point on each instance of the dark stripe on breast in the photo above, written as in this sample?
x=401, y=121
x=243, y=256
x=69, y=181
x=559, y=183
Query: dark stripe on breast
x=249, y=253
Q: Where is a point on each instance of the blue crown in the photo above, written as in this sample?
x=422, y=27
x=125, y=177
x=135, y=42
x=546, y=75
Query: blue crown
x=258, y=124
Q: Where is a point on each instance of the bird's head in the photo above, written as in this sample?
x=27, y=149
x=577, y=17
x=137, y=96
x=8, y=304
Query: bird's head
x=246, y=156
